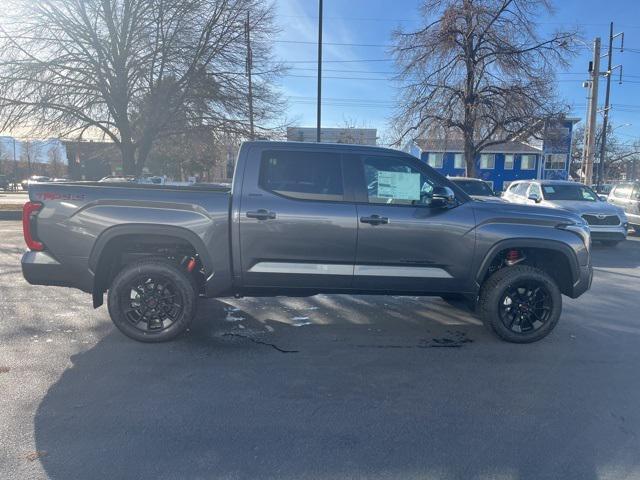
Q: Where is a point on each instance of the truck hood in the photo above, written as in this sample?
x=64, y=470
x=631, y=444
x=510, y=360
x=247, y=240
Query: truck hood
x=484, y=198
x=517, y=213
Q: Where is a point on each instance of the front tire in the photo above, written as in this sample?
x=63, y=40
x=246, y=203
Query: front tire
x=152, y=300
x=520, y=304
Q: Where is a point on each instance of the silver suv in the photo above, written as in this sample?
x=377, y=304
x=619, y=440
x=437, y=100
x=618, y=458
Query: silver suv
x=608, y=223
x=627, y=196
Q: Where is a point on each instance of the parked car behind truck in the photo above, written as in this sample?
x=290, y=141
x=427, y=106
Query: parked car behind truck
x=627, y=197
x=608, y=223
x=301, y=219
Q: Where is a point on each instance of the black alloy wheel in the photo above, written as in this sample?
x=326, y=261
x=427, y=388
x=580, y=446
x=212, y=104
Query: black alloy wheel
x=520, y=304
x=153, y=300
x=525, y=307
x=153, y=304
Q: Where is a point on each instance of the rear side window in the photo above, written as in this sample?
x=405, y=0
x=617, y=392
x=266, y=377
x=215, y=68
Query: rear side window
x=302, y=175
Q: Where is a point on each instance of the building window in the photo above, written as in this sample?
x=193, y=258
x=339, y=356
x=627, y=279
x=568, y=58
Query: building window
x=528, y=162
x=555, y=161
x=508, y=162
x=487, y=161
x=434, y=160
x=458, y=161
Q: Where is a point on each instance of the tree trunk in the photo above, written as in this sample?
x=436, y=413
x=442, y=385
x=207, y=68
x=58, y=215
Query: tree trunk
x=128, y=158
x=470, y=157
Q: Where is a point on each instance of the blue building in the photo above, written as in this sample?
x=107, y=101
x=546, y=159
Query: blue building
x=503, y=163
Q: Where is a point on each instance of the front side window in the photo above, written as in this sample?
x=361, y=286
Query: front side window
x=458, y=161
x=528, y=162
x=622, y=191
x=535, y=190
x=396, y=181
x=302, y=175
x=487, y=161
x=508, y=162
x=435, y=160
x=555, y=161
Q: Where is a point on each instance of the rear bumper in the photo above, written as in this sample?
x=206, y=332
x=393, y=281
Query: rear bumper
x=40, y=268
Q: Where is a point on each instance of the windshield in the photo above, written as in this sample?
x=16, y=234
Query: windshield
x=474, y=187
x=569, y=192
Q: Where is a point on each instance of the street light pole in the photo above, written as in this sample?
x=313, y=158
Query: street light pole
x=592, y=109
x=15, y=165
x=318, y=120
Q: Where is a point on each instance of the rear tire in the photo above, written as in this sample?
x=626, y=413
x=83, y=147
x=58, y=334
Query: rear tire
x=152, y=300
x=520, y=304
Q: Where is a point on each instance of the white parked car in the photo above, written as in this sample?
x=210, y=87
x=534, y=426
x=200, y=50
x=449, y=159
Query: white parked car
x=607, y=222
x=477, y=189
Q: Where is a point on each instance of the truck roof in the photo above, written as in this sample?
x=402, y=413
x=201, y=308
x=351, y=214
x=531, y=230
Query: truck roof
x=323, y=145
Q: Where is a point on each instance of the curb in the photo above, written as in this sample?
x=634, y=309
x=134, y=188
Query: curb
x=10, y=215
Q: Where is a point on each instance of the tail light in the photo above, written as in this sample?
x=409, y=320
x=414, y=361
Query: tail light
x=29, y=212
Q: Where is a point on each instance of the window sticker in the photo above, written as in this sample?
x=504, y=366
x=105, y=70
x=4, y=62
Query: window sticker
x=548, y=189
x=399, y=185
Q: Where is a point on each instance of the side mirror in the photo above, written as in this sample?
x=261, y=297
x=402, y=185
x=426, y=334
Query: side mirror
x=602, y=198
x=497, y=193
x=535, y=197
x=442, y=197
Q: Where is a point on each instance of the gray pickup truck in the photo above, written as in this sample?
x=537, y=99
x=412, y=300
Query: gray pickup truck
x=301, y=219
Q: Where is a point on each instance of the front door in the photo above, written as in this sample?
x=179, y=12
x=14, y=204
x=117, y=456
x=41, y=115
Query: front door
x=405, y=243
x=297, y=228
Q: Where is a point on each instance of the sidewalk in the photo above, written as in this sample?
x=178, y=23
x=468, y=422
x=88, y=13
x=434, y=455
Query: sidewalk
x=11, y=205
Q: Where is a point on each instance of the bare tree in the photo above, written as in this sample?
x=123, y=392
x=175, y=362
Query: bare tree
x=619, y=153
x=134, y=70
x=479, y=71
x=56, y=159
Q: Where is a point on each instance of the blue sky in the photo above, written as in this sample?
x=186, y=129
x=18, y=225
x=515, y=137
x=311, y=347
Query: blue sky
x=355, y=34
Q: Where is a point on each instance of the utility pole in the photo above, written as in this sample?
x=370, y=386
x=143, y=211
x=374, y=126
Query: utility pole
x=318, y=120
x=605, y=120
x=592, y=110
x=15, y=166
x=249, y=67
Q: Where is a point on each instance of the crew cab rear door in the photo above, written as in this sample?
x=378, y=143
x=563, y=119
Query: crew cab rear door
x=404, y=243
x=298, y=224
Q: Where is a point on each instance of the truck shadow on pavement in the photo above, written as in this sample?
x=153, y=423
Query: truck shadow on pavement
x=326, y=387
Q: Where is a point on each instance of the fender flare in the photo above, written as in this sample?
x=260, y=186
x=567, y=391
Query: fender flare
x=141, y=229
x=556, y=245
x=145, y=229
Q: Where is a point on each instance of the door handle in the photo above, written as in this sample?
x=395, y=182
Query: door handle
x=374, y=220
x=262, y=214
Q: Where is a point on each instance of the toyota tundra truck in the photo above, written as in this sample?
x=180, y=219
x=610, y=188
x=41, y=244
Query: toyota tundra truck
x=301, y=219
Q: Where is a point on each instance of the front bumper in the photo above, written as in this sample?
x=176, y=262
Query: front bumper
x=585, y=277
x=41, y=268
x=617, y=233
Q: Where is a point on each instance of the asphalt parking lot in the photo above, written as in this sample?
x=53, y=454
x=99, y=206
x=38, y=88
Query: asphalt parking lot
x=323, y=387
